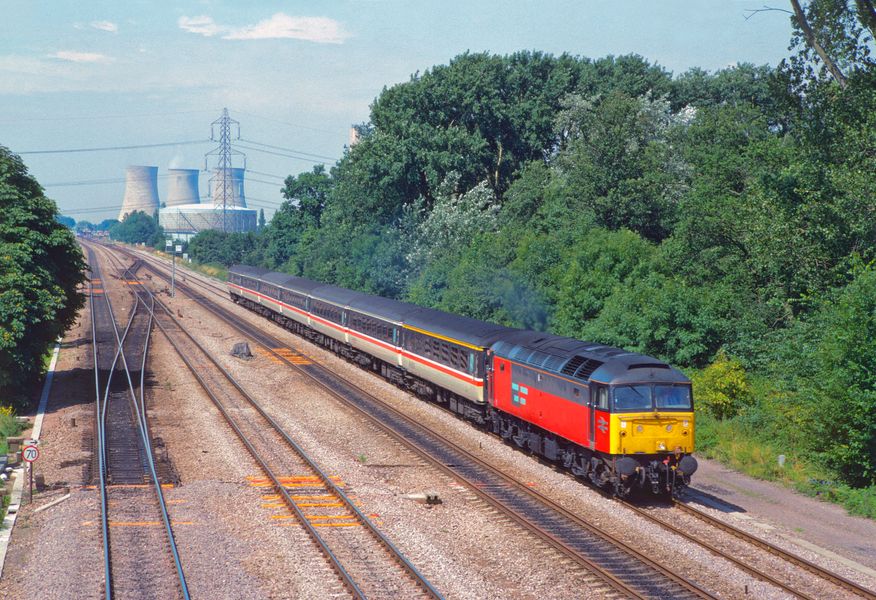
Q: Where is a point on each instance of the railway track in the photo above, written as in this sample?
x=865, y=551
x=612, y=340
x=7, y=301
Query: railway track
x=140, y=559
x=790, y=557
x=623, y=569
x=749, y=567
x=341, y=531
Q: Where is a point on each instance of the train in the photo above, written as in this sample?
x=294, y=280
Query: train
x=621, y=420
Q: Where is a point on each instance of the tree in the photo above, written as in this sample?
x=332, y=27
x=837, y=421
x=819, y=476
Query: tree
x=41, y=267
x=310, y=190
x=106, y=224
x=261, y=219
x=136, y=228
x=68, y=222
x=831, y=37
x=840, y=380
x=84, y=226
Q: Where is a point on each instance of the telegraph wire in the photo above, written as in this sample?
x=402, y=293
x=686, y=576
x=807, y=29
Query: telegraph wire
x=160, y=176
x=243, y=112
x=107, y=148
x=100, y=117
x=266, y=174
x=304, y=158
x=288, y=149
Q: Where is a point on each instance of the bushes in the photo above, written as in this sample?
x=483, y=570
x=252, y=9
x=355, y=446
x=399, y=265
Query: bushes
x=842, y=387
x=722, y=388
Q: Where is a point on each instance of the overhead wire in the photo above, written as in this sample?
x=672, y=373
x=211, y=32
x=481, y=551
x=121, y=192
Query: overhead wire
x=108, y=148
x=101, y=117
x=284, y=155
x=281, y=148
x=297, y=125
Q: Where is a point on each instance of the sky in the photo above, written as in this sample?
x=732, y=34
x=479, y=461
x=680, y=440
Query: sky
x=296, y=75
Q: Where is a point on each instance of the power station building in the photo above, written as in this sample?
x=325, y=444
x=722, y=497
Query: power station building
x=184, y=216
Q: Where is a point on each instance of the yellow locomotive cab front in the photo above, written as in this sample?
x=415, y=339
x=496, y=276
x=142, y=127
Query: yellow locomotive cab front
x=652, y=433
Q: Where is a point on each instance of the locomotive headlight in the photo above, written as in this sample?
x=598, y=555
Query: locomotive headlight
x=623, y=424
x=661, y=445
x=685, y=423
x=669, y=428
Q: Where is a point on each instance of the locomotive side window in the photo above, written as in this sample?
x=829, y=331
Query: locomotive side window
x=602, y=398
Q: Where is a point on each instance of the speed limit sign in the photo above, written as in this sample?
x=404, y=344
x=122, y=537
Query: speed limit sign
x=30, y=454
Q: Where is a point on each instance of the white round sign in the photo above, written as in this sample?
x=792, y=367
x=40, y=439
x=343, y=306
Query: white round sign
x=30, y=454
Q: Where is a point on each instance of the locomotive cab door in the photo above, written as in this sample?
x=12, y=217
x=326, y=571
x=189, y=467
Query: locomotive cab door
x=598, y=400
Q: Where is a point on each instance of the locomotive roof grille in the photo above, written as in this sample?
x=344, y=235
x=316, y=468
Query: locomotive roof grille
x=581, y=367
x=647, y=366
x=573, y=365
x=587, y=369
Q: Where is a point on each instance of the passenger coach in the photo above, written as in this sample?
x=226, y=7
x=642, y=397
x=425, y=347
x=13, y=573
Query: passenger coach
x=621, y=419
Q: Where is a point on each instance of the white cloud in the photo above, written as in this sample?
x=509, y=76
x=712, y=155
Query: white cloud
x=81, y=57
x=202, y=24
x=320, y=30
x=105, y=26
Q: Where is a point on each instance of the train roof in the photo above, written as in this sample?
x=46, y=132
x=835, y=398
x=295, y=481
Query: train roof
x=456, y=327
x=248, y=271
x=465, y=329
x=584, y=361
x=564, y=356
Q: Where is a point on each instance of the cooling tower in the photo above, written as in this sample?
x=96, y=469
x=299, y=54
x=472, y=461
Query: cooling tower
x=234, y=184
x=141, y=190
x=182, y=187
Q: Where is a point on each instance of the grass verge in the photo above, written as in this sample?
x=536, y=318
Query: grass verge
x=732, y=443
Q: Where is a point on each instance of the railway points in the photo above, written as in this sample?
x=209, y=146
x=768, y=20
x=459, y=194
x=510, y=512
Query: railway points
x=276, y=453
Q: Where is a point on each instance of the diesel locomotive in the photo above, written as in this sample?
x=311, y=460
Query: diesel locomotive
x=620, y=419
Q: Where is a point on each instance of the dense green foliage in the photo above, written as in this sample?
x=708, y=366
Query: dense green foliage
x=41, y=267
x=66, y=221
x=722, y=219
x=138, y=228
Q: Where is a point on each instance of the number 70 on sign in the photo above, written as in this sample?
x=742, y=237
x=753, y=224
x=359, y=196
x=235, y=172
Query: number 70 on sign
x=30, y=453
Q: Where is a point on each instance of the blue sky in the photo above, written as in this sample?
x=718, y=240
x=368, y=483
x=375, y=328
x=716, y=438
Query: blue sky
x=295, y=74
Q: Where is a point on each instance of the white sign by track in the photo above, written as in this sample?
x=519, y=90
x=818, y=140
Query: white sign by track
x=30, y=454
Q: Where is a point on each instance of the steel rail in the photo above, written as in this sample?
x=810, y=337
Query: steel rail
x=396, y=554
x=147, y=442
x=104, y=506
x=794, y=559
x=346, y=578
x=608, y=578
x=755, y=572
x=142, y=426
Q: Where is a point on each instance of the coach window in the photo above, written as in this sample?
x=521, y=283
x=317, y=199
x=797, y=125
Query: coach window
x=471, y=363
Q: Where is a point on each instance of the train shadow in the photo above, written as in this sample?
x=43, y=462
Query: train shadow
x=646, y=499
